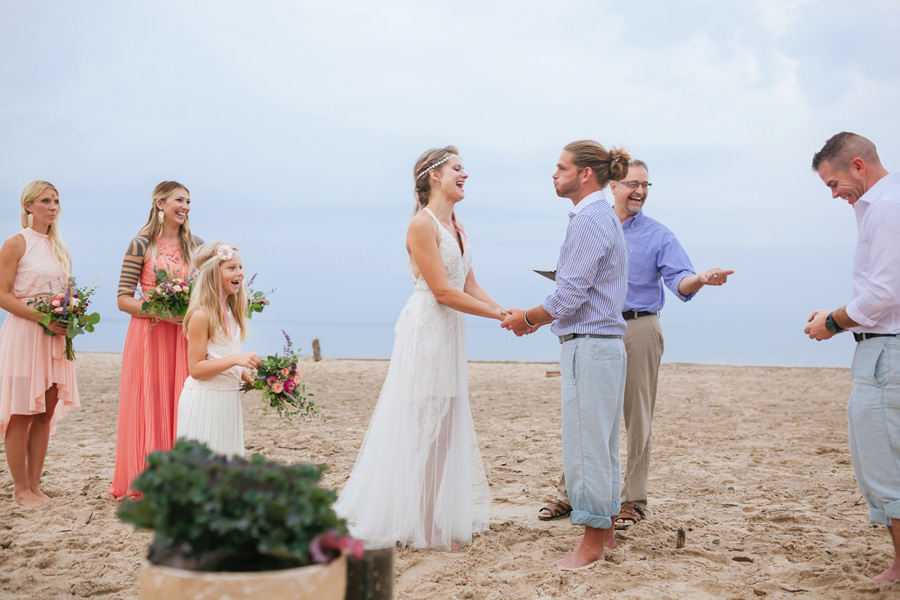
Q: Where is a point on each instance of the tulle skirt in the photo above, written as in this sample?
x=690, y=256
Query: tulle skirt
x=212, y=417
x=418, y=478
x=154, y=368
x=30, y=363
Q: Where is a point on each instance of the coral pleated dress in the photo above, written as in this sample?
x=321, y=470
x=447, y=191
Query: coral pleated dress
x=30, y=360
x=154, y=367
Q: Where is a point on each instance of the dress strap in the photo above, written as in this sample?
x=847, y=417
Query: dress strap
x=428, y=210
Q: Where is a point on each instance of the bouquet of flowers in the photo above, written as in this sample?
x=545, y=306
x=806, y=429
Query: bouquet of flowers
x=169, y=298
x=257, y=301
x=70, y=307
x=279, y=379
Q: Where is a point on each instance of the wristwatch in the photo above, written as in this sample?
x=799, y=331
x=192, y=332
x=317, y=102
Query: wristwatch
x=830, y=324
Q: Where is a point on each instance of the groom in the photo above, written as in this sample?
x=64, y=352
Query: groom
x=586, y=311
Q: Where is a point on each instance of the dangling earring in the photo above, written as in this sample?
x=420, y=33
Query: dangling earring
x=161, y=216
x=437, y=184
x=30, y=219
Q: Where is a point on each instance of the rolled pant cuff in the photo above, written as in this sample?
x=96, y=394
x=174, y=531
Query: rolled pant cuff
x=580, y=517
x=876, y=515
x=892, y=509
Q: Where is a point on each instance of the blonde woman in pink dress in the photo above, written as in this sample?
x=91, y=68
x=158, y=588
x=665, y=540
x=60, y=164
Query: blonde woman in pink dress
x=154, y=359
x=37, y=383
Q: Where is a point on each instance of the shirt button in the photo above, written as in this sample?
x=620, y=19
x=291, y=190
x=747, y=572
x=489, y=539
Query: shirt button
x=607, y=362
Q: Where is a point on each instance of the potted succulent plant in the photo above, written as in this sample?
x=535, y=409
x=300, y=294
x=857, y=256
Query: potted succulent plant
x=238, y=528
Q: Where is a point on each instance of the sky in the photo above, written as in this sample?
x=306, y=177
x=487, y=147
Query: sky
x=296, y=125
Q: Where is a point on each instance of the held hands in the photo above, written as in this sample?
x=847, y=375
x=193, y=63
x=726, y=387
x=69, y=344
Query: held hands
x=515, y=322
x=715, y=276
x=815, y=326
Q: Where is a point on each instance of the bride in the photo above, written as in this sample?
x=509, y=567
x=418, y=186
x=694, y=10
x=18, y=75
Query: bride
x=418, y=478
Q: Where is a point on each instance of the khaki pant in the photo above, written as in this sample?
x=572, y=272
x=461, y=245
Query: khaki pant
x=644, y=348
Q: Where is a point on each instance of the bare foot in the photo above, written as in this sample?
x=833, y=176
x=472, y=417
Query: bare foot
x=41, y=495
x=892, y=574
x=608, y=542
x=27, y=498
x=578, y=560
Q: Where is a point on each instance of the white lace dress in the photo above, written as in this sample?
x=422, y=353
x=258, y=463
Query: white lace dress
x=210, y=409
x=418, y=478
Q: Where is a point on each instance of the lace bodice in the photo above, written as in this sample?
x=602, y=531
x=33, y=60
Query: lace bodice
x=456, y=263
x=223, y=345
x=38, y=272
x=168, y=257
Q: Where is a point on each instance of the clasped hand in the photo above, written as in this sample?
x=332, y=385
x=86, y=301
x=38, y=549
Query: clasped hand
x=515, y=322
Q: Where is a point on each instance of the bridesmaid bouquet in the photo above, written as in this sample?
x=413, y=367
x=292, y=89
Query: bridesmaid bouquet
x=169, y=298
x=257, y=301
x=279, y=379
x=70, y=307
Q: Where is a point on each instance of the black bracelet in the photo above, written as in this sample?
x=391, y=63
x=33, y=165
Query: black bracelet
x=525, y=316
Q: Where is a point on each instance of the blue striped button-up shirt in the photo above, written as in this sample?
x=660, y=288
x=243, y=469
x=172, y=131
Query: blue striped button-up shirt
x=592, y=272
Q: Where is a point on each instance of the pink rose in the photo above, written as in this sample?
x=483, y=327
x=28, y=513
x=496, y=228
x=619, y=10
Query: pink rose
x=277, y=387
x=177, y=288
x=297, y=377
x=289, y=385
x=58, y=309
x=55, y=302
x=285, y=372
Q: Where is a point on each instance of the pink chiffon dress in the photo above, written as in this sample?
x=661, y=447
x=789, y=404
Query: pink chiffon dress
x=154, y=368
x=30, y=360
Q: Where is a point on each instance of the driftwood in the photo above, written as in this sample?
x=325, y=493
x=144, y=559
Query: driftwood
x=317, y=350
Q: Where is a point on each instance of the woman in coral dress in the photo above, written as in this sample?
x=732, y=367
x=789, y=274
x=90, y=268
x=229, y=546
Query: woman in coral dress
x=154, y=360
x=37, y=383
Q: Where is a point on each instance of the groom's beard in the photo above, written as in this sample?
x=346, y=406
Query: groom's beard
x=566, y=190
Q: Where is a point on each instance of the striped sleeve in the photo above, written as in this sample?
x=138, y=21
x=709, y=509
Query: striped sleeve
x=132, y=265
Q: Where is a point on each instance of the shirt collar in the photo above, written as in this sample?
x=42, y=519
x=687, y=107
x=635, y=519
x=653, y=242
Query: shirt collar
x=586, y=201
x=635, y=220
x=873, y=194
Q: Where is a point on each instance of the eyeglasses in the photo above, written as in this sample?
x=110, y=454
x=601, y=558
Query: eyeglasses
x=635, y=184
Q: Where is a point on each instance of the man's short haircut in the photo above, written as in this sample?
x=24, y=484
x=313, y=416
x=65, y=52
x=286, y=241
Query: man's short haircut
x=843, y=147
x=639, y=163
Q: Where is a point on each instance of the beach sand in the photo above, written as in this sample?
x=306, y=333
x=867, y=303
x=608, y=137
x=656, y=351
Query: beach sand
x=752, y=462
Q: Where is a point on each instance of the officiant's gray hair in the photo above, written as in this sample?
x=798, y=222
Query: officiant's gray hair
x=428, y=161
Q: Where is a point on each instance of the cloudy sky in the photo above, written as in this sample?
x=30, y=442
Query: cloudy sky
x=295, y=124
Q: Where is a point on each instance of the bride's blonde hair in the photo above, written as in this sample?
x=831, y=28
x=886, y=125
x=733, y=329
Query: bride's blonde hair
x=207, y=290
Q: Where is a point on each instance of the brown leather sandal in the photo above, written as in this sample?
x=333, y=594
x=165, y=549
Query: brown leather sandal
x=555, y=510
x=631, y=514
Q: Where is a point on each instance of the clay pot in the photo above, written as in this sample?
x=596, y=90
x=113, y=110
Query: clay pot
x=314, y=582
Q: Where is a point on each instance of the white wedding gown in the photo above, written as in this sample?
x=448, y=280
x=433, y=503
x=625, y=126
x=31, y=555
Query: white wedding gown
x=418, y=478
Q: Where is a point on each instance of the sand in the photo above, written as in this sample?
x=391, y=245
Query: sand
x=752, y=462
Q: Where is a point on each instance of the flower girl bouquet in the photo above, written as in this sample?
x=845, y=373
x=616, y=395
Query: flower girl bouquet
x=70, y=307
x=257, y=300
x=279, y=379
x=169, y=298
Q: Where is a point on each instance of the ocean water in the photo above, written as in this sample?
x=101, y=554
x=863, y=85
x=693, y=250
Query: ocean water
x=685, y=342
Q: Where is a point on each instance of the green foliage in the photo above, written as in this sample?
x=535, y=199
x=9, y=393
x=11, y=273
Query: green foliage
x=212, y=513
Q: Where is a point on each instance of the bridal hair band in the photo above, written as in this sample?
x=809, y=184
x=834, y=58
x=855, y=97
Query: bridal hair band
x=435, y=165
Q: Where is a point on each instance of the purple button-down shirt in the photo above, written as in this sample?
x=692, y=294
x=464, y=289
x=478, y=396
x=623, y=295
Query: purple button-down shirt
x=654, y=257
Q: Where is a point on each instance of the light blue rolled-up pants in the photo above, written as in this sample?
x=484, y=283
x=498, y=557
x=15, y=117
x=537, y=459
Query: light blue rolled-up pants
x=873, y=416
x=593, y=391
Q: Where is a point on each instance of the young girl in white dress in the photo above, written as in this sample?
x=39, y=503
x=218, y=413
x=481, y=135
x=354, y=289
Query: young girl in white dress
x=209, y=409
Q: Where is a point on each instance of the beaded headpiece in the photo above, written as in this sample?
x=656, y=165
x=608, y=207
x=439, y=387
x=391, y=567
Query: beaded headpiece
x=434, y=166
